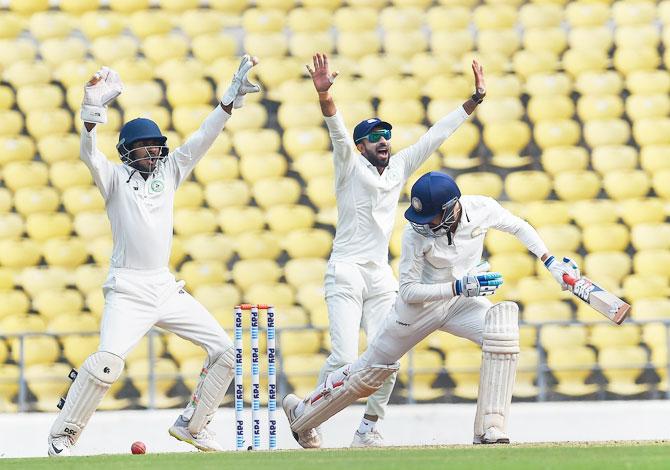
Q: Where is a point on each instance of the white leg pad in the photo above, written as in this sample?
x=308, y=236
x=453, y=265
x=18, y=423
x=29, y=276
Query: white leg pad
x=99, y=371
x=208, y=395
x=500, y=350
x=341, y=389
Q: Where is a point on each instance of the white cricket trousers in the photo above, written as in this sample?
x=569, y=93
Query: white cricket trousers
x=136, y=300
x=406, y=325
x=358, y=295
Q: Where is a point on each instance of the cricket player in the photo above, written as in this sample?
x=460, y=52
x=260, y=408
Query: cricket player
x=140, y=291
x=360, y=286
x=442, y=287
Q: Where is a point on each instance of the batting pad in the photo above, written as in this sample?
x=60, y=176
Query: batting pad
x=335, y=395
x=211, y=389
x=99, y=371
x=500, y=350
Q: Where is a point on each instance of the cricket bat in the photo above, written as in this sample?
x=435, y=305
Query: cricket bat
x=598, y=298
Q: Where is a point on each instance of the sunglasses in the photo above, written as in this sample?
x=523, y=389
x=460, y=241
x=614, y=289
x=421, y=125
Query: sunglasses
x=375, y=136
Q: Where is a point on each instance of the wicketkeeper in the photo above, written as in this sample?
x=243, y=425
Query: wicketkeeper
x=140, y=291
x=443, y=286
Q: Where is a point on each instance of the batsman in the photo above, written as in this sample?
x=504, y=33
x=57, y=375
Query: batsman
x=140, y=291
x=443, y=286
x=359, y=285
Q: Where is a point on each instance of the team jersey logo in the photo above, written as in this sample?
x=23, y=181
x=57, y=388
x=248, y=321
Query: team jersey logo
x=157, y=186
x=416, y=204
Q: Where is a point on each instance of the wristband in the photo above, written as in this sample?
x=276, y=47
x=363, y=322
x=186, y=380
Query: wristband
x=548, y=261
x=477, y=97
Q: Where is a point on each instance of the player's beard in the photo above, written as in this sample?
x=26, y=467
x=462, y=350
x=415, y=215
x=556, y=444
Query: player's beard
x=377, y=160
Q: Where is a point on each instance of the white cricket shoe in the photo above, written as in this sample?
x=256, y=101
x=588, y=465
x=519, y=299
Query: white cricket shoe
x=203, y=441
x=59, y=446
x=368, y=439
x=492, y=435
x=310, y=439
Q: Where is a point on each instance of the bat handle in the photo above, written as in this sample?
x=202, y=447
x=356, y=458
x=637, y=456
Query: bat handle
x=569, y=280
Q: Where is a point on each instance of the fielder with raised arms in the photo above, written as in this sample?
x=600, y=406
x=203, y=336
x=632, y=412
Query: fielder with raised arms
x=360, y=287
x=442, y=287
x=140, y=291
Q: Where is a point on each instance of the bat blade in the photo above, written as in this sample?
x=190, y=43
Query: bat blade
x=598, y=298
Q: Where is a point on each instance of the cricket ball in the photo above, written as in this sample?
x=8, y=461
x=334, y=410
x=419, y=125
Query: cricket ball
x=138, y=447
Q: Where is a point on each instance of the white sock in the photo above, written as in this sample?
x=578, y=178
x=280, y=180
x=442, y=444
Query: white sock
x=366, y=426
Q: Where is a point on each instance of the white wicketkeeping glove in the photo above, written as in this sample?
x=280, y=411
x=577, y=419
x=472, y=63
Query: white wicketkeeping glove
x=98, y=92
x=478, y=284
x=559, y=268
x=240, y=84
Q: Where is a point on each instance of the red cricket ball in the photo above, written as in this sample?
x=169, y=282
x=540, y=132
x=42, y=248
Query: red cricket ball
x=138, y=447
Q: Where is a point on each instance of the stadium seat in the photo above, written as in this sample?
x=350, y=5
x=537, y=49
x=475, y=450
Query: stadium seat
x=641, y=286
x=653, y=158
x=236, y=220
x=622, y=366
x=197, y=273
x=80, y=199
x=254, y=142
x=39, y=278
x=528, y=63
x=651, y=236
x=165, y=378
x=547, y=212
x=541, y=289
x=652, y=262
x=245, y=273
x=277, y=294
x=48, y=382
x=55, y=148
x=90, y=225
x=301, y=271
x=576, y=185
x=9, y=386
x=571, y=367
x=13, y=301
x=541, y=311
x=484, y=183
x=633, y=13
x=209, y=247
x=300, y=370
x=560, y=238
x=607, y=265
x=463, y=366
x=555, y=133
x=651, y=309
x=526, y=186
x=257, y=245
x=283, y=219
x=194, y=221
x=605, y=237
x=218, y=297
x=307, y=243
x=37, y=349
x=51, y=303
x=16, y=148
x=273, y=191
x=550, y=107
x=635, y=211
x=89, y=276
x=34, y=200
x=626, y=184
x=19, y=253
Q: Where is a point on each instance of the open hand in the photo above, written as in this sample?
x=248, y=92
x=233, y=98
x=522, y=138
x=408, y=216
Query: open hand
x=480, y=84
x=320, y=74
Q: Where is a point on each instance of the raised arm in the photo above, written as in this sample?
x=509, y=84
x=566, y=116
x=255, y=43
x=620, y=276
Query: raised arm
x=187, y=155
x=99, y=91
x=416, y=154
x=343, y=151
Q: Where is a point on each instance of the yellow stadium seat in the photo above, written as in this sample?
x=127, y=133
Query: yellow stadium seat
x=622, y=366
x=186, y=93
x=526, y=375
x=274, y=71
x=498, y=41
x=16, y=148
x=648, y=82
x=636, y=36
x=661, y=183
x=266, y=44
x=354, y=18
x=597, y=37
x=54, y=148
x=11, y=25
x=607, y=265
x=605, y=237
x=39, y=97
x=257, y=245
x=183, y=350
x=143, y=93
x=254, y=142
x=552, y=39
x=599, y=83
x=272, y=191
x=68, y=174
x=448, y=17
x=641, y=286
x=463, y=366
x=9, y=386
x=89, y=276
x=633, y=13
x=197, y=273
x=34, y=200
x=540, y=290
x=653, y=158
x=513, y=266
x=461, y=142
x=215, y=168
x=313, y=164
x=13, y=302
x=587, y=13
x=48, y=382
x=90, y=225
x=189, y=196
x=253, y=116
x=311, y=297
x=484, y=183
x=80, y=199
x=560, y=237
x=635, y=211
x=278, y=294
x=548, y=85
x=626, y=184
x=560, y=132
x=248, y=272
x=209, y=47
x=12, y=122
x=309, y=19
x=308, y=243
x=525, y=186
x=630, y=59
x=146, y=22
x=17, y=51
x=651, y=131
x=358, y=44
x=217, y=297
x=235, y=220
x=73, y=323
x=193, y=221
x=161, y=47
x=500, y=109
x=600, y=107
x=41, y=227
x=651, y=309
x=607, y=158
x=548, y=212
x=66, y=252
x=571, y=367
x=300, y=370
x=11, y=226
x=550, y=107
x=303, y=44
x=165, y=378
x=321, y=192
x=559, y=159
x=5, y=200
x=528, y=63
x=307, y=139
x=506, y=136
x=653, y=262
x=57, y=51
x=285, y=218
x=547, y=311
x=604, y=336
x=41, y=123
x=419, y=370
x=299, y=342
x=578, y=61
x=301, y=271
x=496, y=16
x=7, y=98
x=650, y=236
x=576, y=185
x=563, y=336
x=19, y=253
x=36, y=349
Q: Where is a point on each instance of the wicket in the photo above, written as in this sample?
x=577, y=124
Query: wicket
x=255, y=378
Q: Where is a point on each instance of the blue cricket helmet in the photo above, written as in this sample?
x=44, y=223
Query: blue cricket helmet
x=139, y=129
x=430, y=195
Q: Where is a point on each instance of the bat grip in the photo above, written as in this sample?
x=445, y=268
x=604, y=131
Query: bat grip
x=569, y=280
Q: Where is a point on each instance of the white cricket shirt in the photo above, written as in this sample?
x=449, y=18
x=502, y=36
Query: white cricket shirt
x=141, y=212
x=366, y=200
x=428, y=266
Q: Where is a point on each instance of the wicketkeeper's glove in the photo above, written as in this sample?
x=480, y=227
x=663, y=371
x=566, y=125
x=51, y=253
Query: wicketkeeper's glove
x=478, y=284
x=240, y=84
x=98, y=92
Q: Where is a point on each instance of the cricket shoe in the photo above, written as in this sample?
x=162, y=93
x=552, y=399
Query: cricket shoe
x=310, y=439
x=59, y=446
x=492, y=435
x=368, y=439
x=203, y=441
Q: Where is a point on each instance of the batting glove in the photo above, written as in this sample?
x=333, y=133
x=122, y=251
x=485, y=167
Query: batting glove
x=240, y=84
x=478, y=285
x=483, y=267
x=559, y=268
x=98, y=92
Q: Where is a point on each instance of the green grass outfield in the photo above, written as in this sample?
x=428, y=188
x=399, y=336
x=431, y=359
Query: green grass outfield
x=634, y=455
